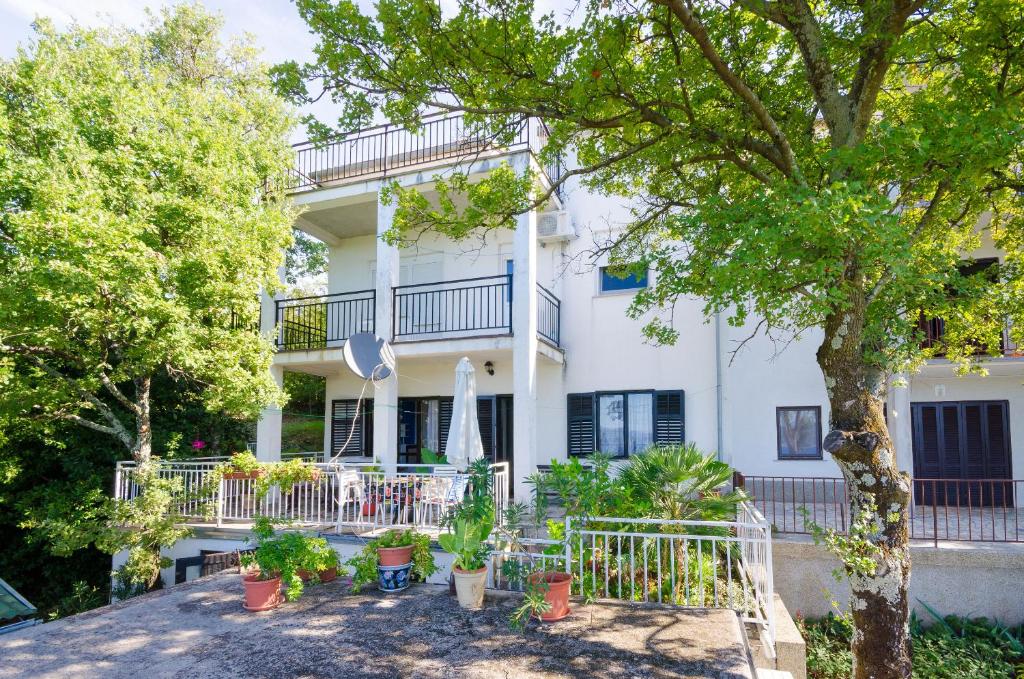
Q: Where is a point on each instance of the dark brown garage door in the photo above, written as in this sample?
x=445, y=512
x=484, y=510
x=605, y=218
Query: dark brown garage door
x=961, y=440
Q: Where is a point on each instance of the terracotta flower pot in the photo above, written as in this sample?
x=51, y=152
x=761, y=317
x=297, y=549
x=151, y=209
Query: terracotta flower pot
x=469, y=587
x=557, y=594
x=325, y=575
x=261, y=595
x=244, y=476
x=394, y=556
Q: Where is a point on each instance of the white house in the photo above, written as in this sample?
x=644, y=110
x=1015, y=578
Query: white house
x=561, y=370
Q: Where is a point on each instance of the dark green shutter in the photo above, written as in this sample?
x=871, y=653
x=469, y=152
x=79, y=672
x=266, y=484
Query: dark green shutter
x=485, y=418
x=580, y=425
x=444, y=416
x=669, y=417
x=342, y=413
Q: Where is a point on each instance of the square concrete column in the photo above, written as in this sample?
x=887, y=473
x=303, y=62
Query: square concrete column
x=900, y=429
x=524, y=346
x=385, y=396
x=268, y=428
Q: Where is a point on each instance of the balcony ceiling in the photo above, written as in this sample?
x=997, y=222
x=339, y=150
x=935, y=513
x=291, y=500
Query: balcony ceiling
x=331, y=223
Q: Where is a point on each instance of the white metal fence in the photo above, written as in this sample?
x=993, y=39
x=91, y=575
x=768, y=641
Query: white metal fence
x=354, y=496
x=715, y=564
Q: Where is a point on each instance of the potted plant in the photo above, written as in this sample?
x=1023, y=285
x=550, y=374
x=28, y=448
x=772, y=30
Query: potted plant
x=278, y=562
x=240, y=466
x=546, y=593
x=271, y=566
x=392, y=560
x=467, y=541
x=321, y=562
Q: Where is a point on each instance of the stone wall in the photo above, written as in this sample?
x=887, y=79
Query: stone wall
x=958, y=578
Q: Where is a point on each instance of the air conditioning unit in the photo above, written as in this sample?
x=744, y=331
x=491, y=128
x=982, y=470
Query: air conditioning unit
x=553, y=227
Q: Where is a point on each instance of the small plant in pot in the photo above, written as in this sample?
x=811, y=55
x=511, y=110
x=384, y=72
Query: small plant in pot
x=321, y=562
x=272, y=567
x=393, y=560
x=467, y=541
x=240, y=466
x=546, y=593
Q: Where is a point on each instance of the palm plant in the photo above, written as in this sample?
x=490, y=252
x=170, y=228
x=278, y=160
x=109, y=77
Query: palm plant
x=680, y=483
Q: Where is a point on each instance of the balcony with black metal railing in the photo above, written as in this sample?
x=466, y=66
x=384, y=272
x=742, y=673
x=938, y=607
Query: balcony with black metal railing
x=456, y=309
x=387, y=150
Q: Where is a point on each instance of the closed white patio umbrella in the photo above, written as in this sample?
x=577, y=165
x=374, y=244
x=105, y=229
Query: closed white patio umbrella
x=463, y=445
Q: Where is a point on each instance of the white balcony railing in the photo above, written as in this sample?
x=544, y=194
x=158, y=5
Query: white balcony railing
x=355, y=497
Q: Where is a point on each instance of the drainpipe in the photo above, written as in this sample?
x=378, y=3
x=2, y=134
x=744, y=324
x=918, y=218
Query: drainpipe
x=719, y=395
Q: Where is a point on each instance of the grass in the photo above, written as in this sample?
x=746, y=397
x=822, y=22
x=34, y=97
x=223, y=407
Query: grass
x=950, y=648
x=301, y=433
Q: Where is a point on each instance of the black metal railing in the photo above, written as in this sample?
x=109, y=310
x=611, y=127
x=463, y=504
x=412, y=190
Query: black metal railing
x=326, y=321
x=967, y=510
x=549, y=315
x=387, y=148
x=463, y=307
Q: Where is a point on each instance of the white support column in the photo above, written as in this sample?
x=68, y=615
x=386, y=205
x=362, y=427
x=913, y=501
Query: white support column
x=268, y=429
x=898, y=410
x=385, y=404
x=524, y=346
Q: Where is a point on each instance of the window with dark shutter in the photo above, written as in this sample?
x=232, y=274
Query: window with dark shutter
x=485, y=418
x=580, y=428
x=669, y=418
x=343, y=413
x=444, y=421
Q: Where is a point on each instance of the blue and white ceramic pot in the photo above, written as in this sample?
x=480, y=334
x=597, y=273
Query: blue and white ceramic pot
x=394, y=578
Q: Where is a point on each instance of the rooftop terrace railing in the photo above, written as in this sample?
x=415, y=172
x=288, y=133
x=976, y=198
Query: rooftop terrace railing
x=387, y=149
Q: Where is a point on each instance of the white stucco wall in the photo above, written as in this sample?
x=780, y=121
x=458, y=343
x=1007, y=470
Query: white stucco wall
x=604, y=350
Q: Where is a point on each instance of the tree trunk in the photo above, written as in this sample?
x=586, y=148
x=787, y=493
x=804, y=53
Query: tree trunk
x=859, y=443
x=143, y=448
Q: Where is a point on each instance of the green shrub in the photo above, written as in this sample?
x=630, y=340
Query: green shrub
x=951, y=648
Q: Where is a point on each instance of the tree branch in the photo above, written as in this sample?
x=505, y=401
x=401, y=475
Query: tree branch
x=693, y=26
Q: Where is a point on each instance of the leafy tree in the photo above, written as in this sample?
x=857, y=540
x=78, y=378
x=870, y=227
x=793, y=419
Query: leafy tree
x=134, y=239
x=796, y=164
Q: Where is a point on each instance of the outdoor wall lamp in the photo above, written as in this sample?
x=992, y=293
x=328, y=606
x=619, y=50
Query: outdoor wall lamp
x=489, y=367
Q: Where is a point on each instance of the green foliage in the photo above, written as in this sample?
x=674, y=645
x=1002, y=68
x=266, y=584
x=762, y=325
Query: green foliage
x=478, y=506
x=679, y=482
x=467, y=541
x=533, y=605
x=305, y=258
x=285, y=554
x=305, y=393
x=132, y=235
x=952, y=648
x=302, y=434
x=856, y=549
x=364, y=565
x=283, y=475
x=54, y=483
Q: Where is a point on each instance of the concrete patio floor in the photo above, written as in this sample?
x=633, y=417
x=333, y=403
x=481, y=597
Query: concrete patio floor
x=199, y=629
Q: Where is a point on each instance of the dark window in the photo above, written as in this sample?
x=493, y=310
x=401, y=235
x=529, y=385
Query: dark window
x=623, y=423
x=799, y=432
x=612, y=280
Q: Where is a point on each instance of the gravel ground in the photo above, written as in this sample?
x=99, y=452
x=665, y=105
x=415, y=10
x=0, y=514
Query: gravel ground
x=200, y=630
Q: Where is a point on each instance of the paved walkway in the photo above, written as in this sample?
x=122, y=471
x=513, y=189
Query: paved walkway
x=200, y=630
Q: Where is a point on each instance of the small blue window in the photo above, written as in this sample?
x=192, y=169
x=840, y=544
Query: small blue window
x=611, y=282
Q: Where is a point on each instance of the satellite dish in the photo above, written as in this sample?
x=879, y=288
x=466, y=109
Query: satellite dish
x=369, y=356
